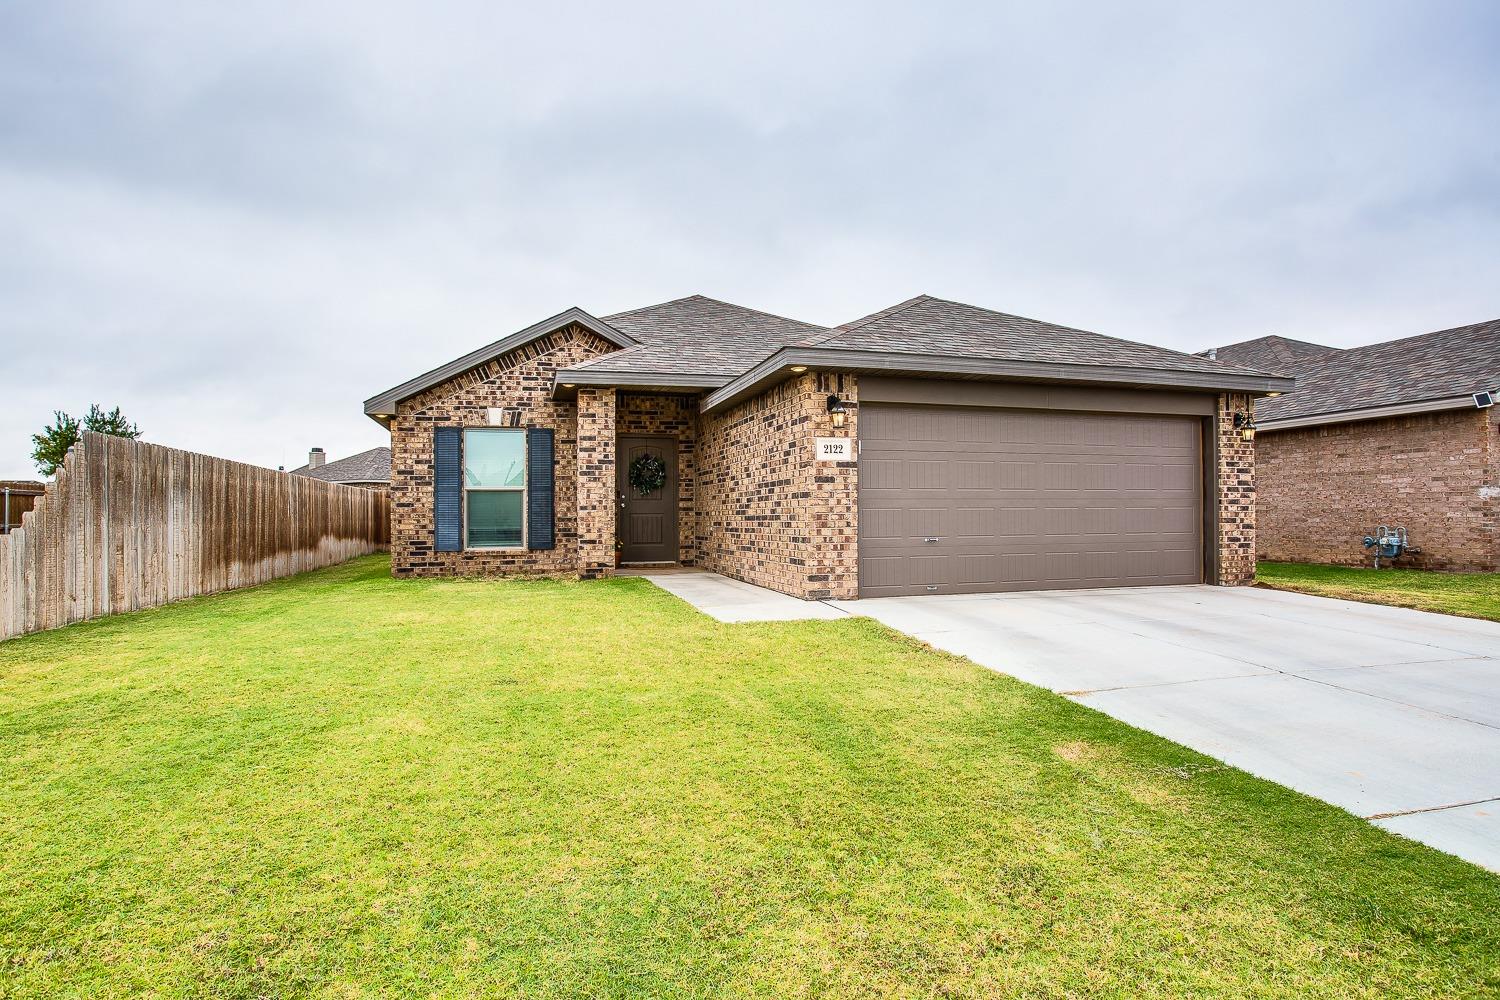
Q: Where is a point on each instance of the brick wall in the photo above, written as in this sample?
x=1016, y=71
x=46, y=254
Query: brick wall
x=595, y=494
x=1236, y=480
x=768, y=513
x=522, y=379
x=1322, y=489
x=674, y=417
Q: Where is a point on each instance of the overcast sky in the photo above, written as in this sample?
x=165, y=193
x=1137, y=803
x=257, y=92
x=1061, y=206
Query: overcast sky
x=238, y=223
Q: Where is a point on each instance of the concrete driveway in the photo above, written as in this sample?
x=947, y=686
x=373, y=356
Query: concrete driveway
x=1389, y=713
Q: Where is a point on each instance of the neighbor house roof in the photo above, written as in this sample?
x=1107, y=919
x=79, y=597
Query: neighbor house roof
x=373, y=466
x=698, y=343
x=1433, y=371
x=1269, y=354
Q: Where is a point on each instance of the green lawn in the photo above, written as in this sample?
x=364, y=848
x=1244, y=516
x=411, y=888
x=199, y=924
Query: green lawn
x=341, y=785
x=1474, y=595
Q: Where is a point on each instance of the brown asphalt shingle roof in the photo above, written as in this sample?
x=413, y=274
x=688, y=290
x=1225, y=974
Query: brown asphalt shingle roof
x=1439, y=365
x=373, y=466
x=1271, y=354
x=702, y=336
x=697, y=336
x=925, y=325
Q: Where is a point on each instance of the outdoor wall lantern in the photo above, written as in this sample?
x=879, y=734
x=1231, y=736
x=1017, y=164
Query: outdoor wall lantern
x=1245, y=424
x=837, y=410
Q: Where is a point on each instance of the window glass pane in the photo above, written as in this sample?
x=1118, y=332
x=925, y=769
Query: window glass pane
x=494, y=458
x=494, y=519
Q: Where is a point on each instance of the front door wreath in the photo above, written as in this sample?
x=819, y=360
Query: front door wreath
x=647, y=474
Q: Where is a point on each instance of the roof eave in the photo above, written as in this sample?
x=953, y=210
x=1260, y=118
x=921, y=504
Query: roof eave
x=565, y=383
x=1465, y=401
x=778, y=367
x=381, y=408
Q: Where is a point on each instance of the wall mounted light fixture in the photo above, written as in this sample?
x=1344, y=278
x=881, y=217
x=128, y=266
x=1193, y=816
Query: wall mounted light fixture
x=837, y=410
x=1245, y=424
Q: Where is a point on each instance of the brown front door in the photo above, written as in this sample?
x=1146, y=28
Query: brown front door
x=647, y=526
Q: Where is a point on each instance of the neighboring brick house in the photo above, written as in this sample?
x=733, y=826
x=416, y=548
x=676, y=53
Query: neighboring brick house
x=1387, y=434
x=369, y=470
x=932, y=447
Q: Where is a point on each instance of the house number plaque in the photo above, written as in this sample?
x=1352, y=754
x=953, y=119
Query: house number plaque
x=835, y=449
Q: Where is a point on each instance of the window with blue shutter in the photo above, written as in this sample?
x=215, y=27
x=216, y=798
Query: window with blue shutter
x=448, y=488
x=494, y=488
x=540, y=491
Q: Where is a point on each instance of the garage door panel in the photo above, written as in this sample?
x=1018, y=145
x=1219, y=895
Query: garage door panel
x=975, y=522
x=883, y=572
x=976, y=568
x=880, y=525
x=1023, y=500
x=876, y=474
x=929, y=522
x=969, y=474
x=928, y=474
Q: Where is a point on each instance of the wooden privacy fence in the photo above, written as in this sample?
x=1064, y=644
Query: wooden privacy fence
x=129, y=525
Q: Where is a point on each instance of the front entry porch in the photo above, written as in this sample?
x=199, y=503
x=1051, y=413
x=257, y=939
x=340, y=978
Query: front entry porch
x=636, y=480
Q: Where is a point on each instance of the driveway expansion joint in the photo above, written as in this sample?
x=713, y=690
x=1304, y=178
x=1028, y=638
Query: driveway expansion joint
x=1430, y=809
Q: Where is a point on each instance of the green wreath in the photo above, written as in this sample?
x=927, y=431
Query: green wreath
x=647, y=475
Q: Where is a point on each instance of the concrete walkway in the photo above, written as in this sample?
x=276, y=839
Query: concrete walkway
x=1390, y=713
x=732, y=601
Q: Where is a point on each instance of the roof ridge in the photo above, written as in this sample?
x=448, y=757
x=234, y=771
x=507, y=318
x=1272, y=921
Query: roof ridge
x=1421, y=336
x=654, y=305
x=843, y=328
x=1281, y=338
x=1107, y=336
x=759, y=312
x=721, y=302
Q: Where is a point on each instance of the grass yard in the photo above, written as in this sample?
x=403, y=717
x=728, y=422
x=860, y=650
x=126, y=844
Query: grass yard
x=1473, y=595
x=340, y=785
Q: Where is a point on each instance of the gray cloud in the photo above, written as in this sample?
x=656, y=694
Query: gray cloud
x=238, y=223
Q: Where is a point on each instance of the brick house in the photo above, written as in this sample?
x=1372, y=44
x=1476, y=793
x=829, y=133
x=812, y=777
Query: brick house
x=932, y=447
x=1386, y=434
x=368, y=470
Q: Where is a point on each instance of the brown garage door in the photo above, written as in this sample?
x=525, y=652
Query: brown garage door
x=967, y=500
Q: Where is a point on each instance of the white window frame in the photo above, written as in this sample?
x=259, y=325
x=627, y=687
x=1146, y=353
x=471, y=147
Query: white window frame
x=523, y=489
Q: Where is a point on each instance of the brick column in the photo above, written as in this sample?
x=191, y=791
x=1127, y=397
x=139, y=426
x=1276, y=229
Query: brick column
x=833, y=494
x=1236, y=501
x=596, y=482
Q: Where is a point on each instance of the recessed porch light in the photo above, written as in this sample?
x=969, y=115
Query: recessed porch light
x=799, y=368
x=570, y=385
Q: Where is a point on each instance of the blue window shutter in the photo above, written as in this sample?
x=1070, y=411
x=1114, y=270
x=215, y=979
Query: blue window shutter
x=448, y=488
x=540, y=492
